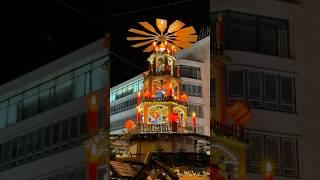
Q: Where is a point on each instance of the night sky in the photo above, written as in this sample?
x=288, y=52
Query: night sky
x=36, y=33
x=193, y=12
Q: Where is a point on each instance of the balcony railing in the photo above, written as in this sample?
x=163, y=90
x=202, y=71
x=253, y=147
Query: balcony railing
x=165, y=99
x=166, y=128
x=228, y=130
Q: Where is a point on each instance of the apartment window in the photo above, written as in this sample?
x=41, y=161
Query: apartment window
x=273, y=151
x=197, y=108
x=6, y=152
x=15, y=109
x=282, y=151
x=254, y=84
x=3, y=113
x=46, y=96
x=30, y=103
x=63, y=89
x=74, y=127
x=236, y=82
x=83, y=124
x=98, y=75
x=254, y=33
x=290, y=155
x=119, y=124
x=14, y=148
x=123, y=106
x=192, y=90
x=65, y=131
x=262, y=89
x=55, y=133
x=286, y=89
x=126, y=90
x=79, y=81
x=47, y=136
x=270, y=86
x=39, y=139
x=55, y=92
x=22, y=145
x=1, y=153
x=241, y=30
x=82, y=173
x=190, y=72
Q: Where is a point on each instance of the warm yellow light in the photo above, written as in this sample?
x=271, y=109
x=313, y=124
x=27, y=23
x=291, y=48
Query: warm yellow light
x=269, y=167
x=139, y=94
x=193, y=114
x=93, y=100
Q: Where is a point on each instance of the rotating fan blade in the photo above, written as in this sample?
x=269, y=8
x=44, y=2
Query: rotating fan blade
x=189, y=38
x=139, y=32
x=148, y=26
x=161, y=24
x=182, y=44
x=142, y=44
x=185, y=31
x=138, y=38
x=149, y=48
x=175, y=47
x=175, y=26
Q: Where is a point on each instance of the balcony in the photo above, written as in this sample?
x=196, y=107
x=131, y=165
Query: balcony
x=228, y=130
x=142, y=128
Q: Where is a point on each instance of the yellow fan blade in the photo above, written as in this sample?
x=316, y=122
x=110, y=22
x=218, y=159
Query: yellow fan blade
x=175, y=47
x=161, y=24
x=182, y=44
x=148, y=26
x=189, y=38
x=138, y=38
x=139, y=32
x=142, y=44
x=149, y=48
x=185, y=31
x=175, y=26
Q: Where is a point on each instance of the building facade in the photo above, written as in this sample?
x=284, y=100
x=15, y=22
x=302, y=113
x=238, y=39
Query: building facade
x=43, y=116
x=272, y=67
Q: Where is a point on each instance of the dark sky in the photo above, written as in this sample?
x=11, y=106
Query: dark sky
x=35, y=33
x=193, y=12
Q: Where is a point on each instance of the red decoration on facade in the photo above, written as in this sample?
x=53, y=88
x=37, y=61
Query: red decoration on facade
x=138, y=117
x=93, y=115
x=240, y=112
x=194, y=121
x=139, y=97
x=92, y=170
x=129, y=124
x=184, y=97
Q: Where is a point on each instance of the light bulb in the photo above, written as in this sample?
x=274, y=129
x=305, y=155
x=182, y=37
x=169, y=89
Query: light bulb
x=269, y=167
x=93, y=100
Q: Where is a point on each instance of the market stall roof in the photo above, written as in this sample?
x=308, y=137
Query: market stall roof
x=123, y=169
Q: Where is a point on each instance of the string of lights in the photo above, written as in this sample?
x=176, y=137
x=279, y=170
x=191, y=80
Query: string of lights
x=82, y=13
x=150, y=8
x=101, y=23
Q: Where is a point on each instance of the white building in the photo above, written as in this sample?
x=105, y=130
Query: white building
x=43, y=117
x=274, y=47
